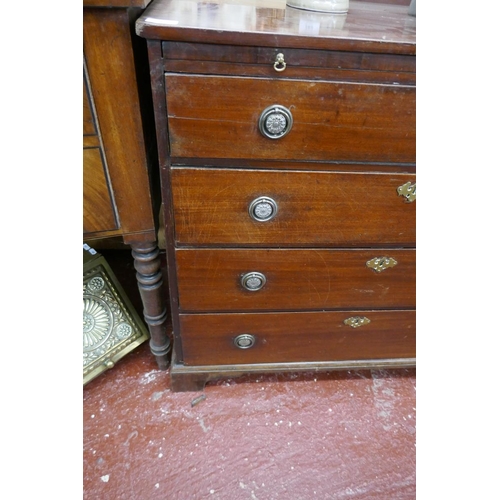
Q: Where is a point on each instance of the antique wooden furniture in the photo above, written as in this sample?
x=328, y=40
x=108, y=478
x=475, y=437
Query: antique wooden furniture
x=287, y=152
x=119, y=150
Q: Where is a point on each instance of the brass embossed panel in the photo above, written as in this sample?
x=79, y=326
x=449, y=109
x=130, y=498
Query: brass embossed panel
x=111, y=326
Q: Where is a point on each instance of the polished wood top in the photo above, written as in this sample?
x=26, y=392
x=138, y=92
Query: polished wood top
x=368, y=26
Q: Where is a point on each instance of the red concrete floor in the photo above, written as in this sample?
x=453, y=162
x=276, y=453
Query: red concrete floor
x=335, y=435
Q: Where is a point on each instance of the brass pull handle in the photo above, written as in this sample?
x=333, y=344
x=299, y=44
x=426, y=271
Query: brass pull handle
x=356, y=321
x=379, y=264
x=244, y=341
x=408, y=191
x=253, y=281
x=280, y=64
x=275, y=121
x=263, y=209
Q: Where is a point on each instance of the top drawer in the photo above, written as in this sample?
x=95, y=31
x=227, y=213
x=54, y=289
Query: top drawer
x=218, y=117
x=345, y=66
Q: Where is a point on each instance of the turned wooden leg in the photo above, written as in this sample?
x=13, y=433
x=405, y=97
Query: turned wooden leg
x=149, y=278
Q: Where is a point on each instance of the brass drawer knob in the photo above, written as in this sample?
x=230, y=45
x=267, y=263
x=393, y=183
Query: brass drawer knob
x=253, y=281
x=356, y=321
x=280, y=64
x=263, y=209
x=408, y=191
x=379, y=264
x=275, y=121
x=244, y=341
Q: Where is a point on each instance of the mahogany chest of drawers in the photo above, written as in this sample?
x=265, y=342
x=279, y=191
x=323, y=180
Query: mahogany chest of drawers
x=286, y=141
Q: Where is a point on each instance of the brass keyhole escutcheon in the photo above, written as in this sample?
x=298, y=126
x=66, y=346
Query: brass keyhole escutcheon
x=379, y=264
x=408, y=191
x=356, y=321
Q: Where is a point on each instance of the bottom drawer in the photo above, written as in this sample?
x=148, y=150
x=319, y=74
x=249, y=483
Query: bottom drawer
x=211, y=339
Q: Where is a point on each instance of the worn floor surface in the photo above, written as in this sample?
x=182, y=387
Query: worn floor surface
x=335, y=435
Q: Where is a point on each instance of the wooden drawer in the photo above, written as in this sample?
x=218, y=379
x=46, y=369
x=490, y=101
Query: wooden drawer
x=211, y=280
x=331, y=120
x=182, y=57
x=208, y=339
x=315, y=209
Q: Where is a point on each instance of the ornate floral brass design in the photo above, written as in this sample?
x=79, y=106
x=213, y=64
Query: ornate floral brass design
x=97, y=322
x=356, y=321
x=408, y=191
x=378, y=264
x=111, y=326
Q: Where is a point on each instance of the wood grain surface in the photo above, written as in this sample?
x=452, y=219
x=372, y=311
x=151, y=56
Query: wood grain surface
x=111, y=68
x=206, y=58
x=314, y=208
x=210, y=280
x=98, y=213
x=368, y=27
x=331, y=120
x=294, y=337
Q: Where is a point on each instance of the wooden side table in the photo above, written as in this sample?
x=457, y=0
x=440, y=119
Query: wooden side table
x=119, y=150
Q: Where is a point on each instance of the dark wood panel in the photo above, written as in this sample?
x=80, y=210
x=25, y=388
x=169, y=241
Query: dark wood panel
x=101, y=235
x=207, y=339
x=210, y=280
x=193, y=378
x=111, y=68
x=98, y=214
x=300, y=63
x=216, y=68
x=331, y=121
x=330, y=166
x=295, y=58
x=314, y=208
x=368, y=27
